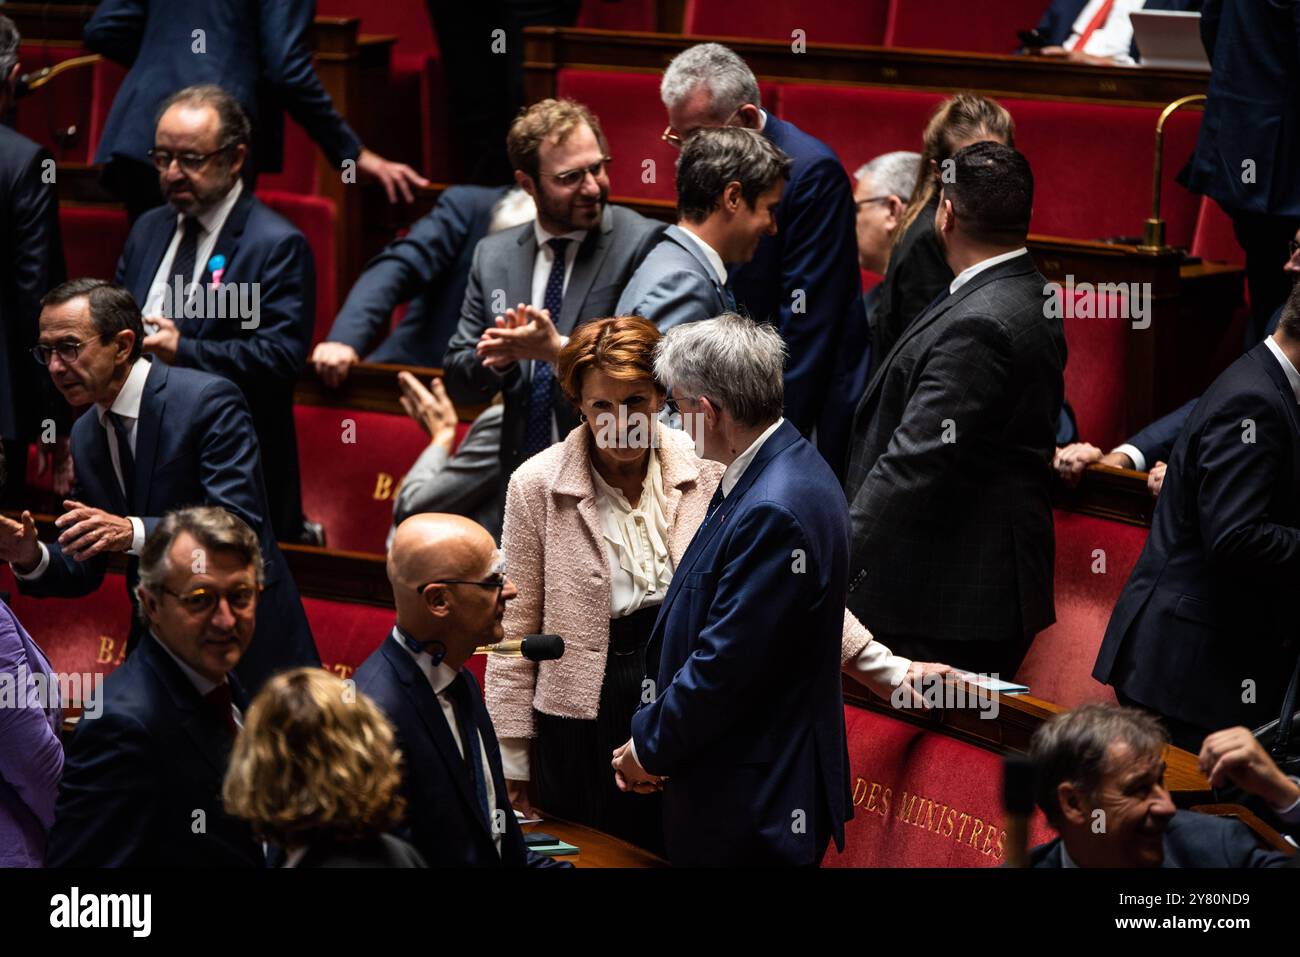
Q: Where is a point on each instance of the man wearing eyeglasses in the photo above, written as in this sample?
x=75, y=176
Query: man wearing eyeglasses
x=227, y=285
x=142, y=780
x=450, y=588
x=530, y=286
x=156, y=438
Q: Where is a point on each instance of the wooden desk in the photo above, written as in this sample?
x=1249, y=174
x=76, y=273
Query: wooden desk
x=595, y=849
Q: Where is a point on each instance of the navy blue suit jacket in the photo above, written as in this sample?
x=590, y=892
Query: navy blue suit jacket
x=134, y=776
x=443, y=821
x=194, y=446
x=748, y=722
x=1253, y=109
x=1208, y=605
x=815, y=251
x=1156, y=441
x=31, y=252
x=256, y=50
x=1193, y=840
x=1058, y=19
x=429, y=267
x=261, y=247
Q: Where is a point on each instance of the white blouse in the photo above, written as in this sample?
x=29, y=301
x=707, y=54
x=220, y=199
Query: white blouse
x=636, y=541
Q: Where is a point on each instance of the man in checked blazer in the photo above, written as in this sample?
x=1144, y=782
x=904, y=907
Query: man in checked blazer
x=952, y=444
x=509, y=332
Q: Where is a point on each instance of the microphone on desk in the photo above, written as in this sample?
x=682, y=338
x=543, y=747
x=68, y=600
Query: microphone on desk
x=1018, y=800
x=532, y=647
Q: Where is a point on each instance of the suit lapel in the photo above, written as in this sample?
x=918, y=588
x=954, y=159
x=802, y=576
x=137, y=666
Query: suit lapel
x=420, y=694
x=185, y=697
x=227, y=245
x=591, y=255
x=678, y=236
x=95, y=463
x=1273, y=369
x=154, y=250
x=153, y=406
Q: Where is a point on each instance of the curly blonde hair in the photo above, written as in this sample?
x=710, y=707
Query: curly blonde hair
x=315, y=760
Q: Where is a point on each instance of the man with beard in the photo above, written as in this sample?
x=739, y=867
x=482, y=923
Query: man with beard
x=952, y=444
x=225, y=284
x=566, y=267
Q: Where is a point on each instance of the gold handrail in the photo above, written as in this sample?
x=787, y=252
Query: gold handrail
x=36, y=80
x=1153, y=230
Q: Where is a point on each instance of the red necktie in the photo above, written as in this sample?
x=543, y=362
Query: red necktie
x=1102, y=15
x=219, y=700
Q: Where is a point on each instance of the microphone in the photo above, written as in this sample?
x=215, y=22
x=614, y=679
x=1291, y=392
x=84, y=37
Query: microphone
x=1018, y=799
x=532, y=647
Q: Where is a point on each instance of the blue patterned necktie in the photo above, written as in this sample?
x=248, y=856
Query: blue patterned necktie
x=463, y=704
x=537, y=427
x=184, y=261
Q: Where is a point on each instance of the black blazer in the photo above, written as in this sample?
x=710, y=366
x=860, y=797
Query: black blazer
x=1193, y=840
x=382, y=851
x=1253, y=108
x=950, y=470
x=1209, y=604
x=195, y=445
x=257, y=50
x=265, y=359
x=429, y=267
x=31, y=264
x=442, y=822
x=138, y=779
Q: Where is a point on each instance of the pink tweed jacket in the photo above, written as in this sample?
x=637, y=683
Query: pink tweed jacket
x=555, y=556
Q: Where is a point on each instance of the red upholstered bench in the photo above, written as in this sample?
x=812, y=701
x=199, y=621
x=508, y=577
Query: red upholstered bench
x=1215, y=239
x=348, y=486
x=78, y=635
x=1094, y=368
x=315, y=216
x=93, y=238
x=858, y=123
x=1094, y=557
x=922, y=799
x=633, y=119
x=346, y=634
x=823, y=21
x=960, y=24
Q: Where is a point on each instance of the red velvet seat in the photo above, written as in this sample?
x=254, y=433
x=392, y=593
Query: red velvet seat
x=58, y=115
x=349, y=486
x=1094, y=558
x=922, y=799
x=78, y=635
x=346, y=634
x=315, y=216
x=1214, y=240
x=823, y=21
x=859, y=123
x=960, y=24
x=633, y=119
x=1094, y=369
x=93, y=238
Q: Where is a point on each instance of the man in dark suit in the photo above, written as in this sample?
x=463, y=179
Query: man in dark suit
x=1096, y=31
x=31, y=263
x=729, y=184
x=1248, y=148
x=428, y=267
x=157, y=439
x=531, y=285
x=256, y=49
x=227, y=285
x=450, y=588
x=950, y=469
x=1100, y=763
x=747, y=721
x=1204, y=631
x=805, y=277
x=142, y=778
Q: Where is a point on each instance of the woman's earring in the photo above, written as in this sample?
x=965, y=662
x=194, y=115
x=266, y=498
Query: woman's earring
x=582, y=417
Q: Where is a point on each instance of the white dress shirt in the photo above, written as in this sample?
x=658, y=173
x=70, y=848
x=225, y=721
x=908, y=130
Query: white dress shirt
x=1112, y=39
x=970, y=272
x=211, y=223
x=1292, y=376
x=440, y=678
x=636, y=541
x=710, y=254
x=126, y=405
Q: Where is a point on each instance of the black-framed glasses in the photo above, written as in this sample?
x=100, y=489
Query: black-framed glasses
x=673, y=407
x=859, y=203
x=496, y=581
x=571, y=178
x=202, y=600
x=189, y=162
x=67, y=350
